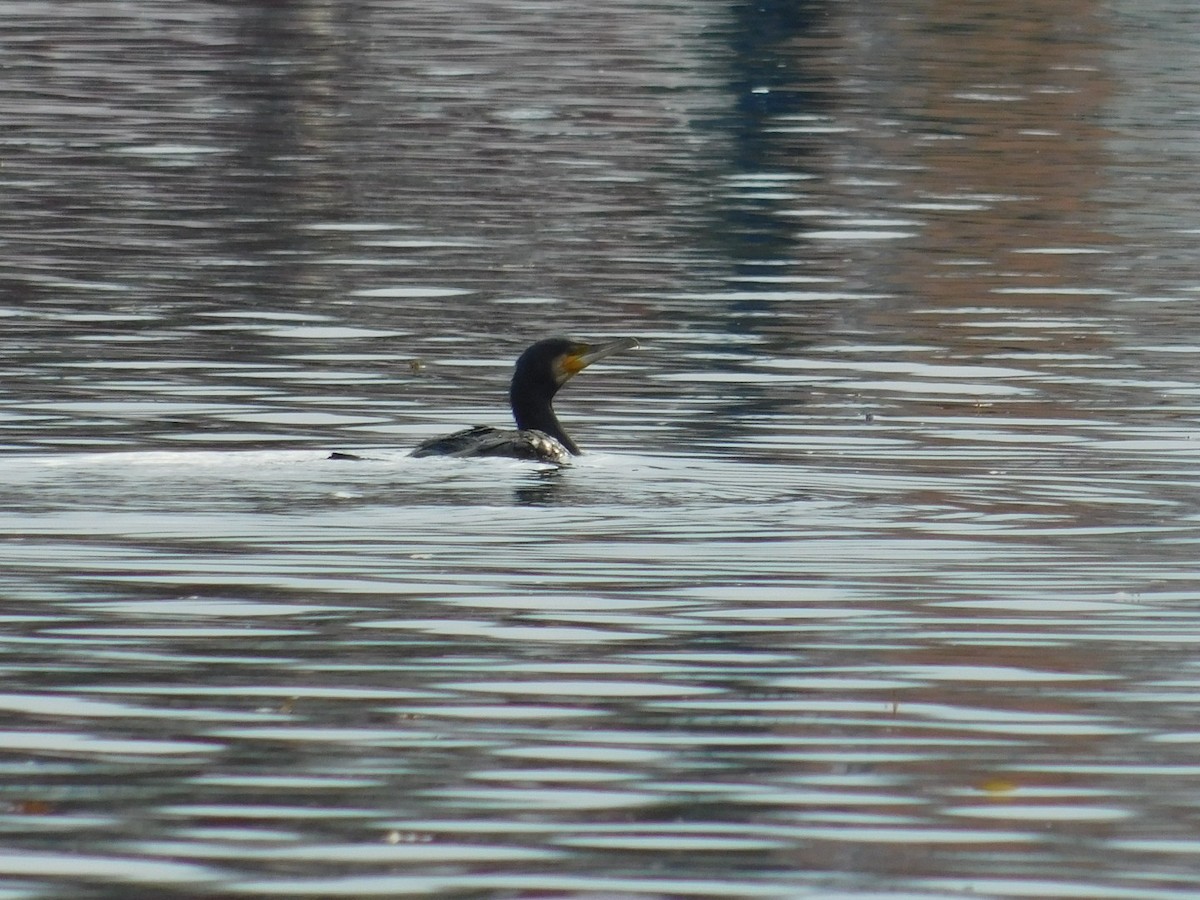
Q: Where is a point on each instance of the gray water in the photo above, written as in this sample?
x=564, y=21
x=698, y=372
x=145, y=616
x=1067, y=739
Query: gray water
x=878, y=578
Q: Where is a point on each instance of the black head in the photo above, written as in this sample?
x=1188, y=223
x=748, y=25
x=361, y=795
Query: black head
x=544, y=368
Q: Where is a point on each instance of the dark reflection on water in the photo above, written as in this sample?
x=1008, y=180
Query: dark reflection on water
x=877, y=577
x=770, y=80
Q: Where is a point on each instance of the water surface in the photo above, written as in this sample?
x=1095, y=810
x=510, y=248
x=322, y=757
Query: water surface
x=877, y=578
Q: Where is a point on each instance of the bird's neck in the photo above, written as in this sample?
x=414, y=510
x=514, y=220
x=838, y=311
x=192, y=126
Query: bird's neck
x=539, y=414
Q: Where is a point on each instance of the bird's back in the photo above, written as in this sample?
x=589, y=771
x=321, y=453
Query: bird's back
x=483, y=440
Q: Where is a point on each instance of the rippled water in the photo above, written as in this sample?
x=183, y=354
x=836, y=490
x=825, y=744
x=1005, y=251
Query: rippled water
x=878, y=578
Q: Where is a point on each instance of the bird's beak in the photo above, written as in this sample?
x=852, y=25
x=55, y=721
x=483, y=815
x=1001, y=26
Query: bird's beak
x=583, y=355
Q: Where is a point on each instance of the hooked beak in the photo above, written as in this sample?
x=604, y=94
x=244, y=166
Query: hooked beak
x=583, y=355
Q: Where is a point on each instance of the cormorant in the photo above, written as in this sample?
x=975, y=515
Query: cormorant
x=541, y=370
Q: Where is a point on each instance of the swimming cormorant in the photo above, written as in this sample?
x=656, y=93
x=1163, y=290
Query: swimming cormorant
x=541, y=370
